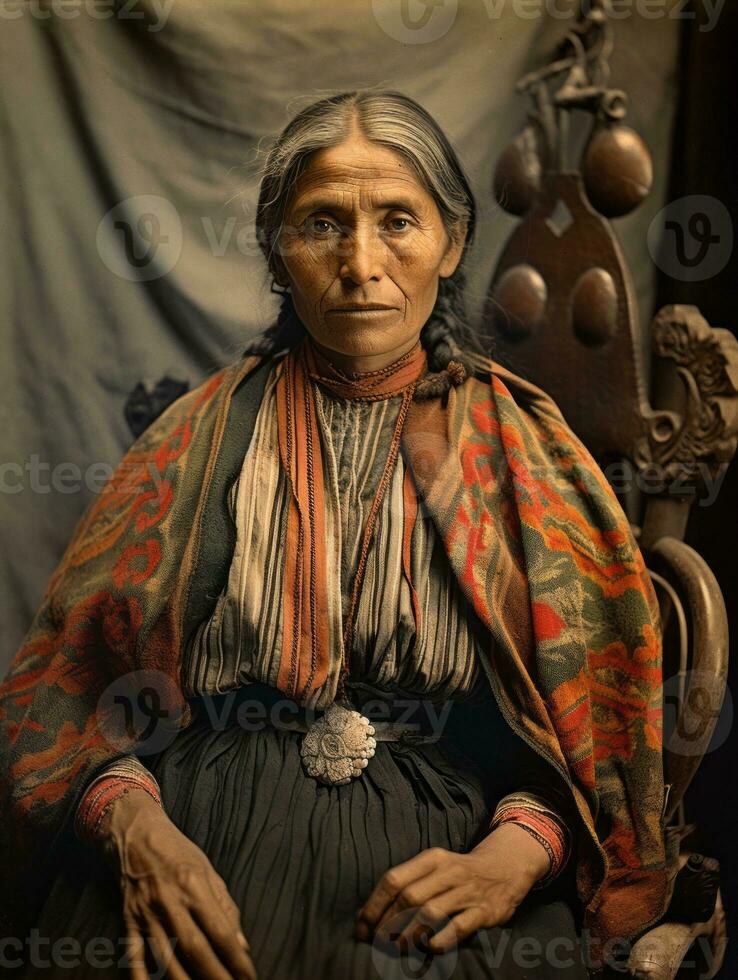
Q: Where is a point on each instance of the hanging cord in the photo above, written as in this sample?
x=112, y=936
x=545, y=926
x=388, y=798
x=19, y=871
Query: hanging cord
x=348, y=632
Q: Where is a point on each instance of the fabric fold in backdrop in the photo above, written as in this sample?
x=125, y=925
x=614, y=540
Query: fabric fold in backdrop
x=534, y=534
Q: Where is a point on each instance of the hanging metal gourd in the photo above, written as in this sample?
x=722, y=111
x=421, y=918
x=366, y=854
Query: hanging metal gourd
x=561, y=292
x=616, y=167
x=517, y=178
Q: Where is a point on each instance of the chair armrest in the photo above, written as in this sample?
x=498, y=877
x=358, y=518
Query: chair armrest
x=708, y=671
x=660, y=952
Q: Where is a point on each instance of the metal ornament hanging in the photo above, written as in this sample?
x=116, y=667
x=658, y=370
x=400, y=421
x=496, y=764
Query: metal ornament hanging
x=337, y=748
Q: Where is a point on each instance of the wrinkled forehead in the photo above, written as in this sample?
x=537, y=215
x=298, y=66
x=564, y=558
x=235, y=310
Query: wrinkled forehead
x=346, y=177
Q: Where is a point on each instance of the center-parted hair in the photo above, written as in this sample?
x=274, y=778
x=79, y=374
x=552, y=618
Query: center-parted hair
x=395, y=121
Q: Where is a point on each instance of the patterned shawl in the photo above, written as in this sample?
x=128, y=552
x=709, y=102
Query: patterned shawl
x=534, y=534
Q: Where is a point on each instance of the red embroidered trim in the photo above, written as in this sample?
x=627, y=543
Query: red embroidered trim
x=101, y=795
x=545, y=826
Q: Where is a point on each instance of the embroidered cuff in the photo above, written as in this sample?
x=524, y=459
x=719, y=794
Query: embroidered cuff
x=113, y=782
x=533, y=814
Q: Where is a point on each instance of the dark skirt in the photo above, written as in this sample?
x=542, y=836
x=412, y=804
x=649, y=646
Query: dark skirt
x=301, y=858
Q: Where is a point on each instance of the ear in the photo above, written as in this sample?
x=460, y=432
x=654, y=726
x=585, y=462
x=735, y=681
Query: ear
x=279, y=274
x=452, y=256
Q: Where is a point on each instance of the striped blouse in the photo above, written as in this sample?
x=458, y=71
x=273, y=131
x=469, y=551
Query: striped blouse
x=437, y=659
x=242, y=640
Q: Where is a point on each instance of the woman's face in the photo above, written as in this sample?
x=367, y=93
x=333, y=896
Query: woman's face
x=363, y=248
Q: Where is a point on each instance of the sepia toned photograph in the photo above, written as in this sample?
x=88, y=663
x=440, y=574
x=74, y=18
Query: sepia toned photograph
x=368, y=503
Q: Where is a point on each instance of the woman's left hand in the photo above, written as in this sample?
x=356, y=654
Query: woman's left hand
x=476, y=890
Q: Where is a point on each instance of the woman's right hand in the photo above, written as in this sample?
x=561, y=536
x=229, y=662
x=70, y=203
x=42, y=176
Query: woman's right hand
x=172, y=896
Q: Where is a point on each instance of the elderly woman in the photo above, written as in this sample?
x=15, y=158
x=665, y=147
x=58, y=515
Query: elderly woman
x=355, y=665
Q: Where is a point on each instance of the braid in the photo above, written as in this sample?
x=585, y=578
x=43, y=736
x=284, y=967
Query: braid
x=450, y=365
x=285, y=333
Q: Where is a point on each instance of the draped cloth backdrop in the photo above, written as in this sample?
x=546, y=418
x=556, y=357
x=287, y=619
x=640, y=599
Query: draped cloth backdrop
x=131, y=140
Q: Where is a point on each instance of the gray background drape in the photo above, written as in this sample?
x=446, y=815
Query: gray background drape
x=162, y=116
x=149, y=128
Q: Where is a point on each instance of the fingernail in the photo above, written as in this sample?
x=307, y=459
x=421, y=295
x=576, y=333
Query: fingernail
x=362, y=930
x=242, y=939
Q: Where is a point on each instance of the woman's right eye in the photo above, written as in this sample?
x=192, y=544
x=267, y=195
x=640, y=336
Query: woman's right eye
x=319, y=226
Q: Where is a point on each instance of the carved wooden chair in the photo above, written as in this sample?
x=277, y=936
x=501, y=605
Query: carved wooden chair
x=562, y=312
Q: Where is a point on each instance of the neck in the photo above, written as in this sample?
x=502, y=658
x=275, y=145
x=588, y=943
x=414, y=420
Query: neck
x=360, y=363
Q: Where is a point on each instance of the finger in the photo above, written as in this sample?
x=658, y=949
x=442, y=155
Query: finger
x=232, y=914
x=432, y=917
x=221, y=933
x=134, y=957
x=461, y=926
x=397, y=878
x=162, y=949
x=224, y=898
x=196, y=946
x=418, y=893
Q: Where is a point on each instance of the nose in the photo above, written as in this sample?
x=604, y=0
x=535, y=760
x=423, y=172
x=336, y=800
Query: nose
x=363, y=259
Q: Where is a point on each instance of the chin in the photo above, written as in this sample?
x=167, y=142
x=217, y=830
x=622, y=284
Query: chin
x=361, y=342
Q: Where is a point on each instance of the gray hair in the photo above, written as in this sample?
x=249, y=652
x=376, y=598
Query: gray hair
x=396, y=121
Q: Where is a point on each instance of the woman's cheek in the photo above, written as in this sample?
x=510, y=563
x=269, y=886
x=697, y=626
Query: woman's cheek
x=413, y=274
x=418, y=254
x=314, y=257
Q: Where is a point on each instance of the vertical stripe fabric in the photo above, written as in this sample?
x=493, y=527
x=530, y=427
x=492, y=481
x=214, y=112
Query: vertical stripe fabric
x=414, y=633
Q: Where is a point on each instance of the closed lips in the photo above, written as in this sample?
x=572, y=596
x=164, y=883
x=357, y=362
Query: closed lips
x=369, y=308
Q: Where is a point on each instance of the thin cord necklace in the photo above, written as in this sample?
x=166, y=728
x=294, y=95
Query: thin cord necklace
x=338, y=746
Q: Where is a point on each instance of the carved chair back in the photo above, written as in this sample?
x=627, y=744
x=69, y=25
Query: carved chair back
x=562, y=311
